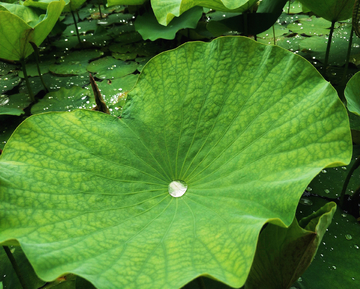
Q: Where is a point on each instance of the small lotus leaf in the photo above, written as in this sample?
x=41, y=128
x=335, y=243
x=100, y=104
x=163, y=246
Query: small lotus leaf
x=110, y=68
x=352, y=94
x=15, y=33
x=149, y=28
x=283, y=254
x=65, y=99
x=8, y=275
x=166, y=11
x=75, y=63
x=14, y=104
x=125, y=2
x=83, y=27
x=73, y=5
x=311, y=26
x=55, y=82
x=332, y=10
x=6, y=68
x=337, y=262
x=293, y=7
x=32, y=70
x=245, y=125
x=8, y=82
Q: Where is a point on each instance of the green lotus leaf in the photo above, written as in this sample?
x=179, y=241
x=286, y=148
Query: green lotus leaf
x=110, y=68
x=6, y=68
x=14, y=104
x=55, y=82
x=73, y=5
x=311, y=26
x=352, y=94
x=84, y=27
x=75, y=63
x=166, y=11
x=332, y=10
x=27, y=14
x=149, y=28
x=283, y=254
x=42, y=4
x=8, y=82
x=337, y=262
x=293, y=7
x=244, y=125
x=32, y=70
x=114, y=92
x=15, y=33
x=125, y=2
x=65, y=100
x=111, y=90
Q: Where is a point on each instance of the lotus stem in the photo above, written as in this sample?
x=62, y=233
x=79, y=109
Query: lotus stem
x=100, y=11
x=15, y=267
x=36, y=50
x=343, y=81
x=76, y=28
x=32, y=97
x=347, y=180
x=328, y=47
x=274, y=34
x=289, y=7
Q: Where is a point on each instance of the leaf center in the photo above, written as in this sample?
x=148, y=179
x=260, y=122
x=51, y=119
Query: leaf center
x=177, y=188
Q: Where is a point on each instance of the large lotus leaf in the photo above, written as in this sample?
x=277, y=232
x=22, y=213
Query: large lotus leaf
x=332, y=10
x=149, y=28
x=166, y=11
x=283, y=254
x=15, y=34
x=244, y=125
x=352, y=94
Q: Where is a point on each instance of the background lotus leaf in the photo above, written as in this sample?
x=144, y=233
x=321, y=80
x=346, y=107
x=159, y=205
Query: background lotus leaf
x=352, y=94
x=65, y=100
x=149, y=28
x=14, y=104
x=15, y=33
x=42, y=4
x=165, y=12
x=73, y=5
x=337, y=262
x=283, y=254
x=110, y=68
x=332, y=10
x=7, y=273
x=245, y=125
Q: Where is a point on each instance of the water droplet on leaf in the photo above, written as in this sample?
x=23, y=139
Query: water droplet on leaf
x=177, y=188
